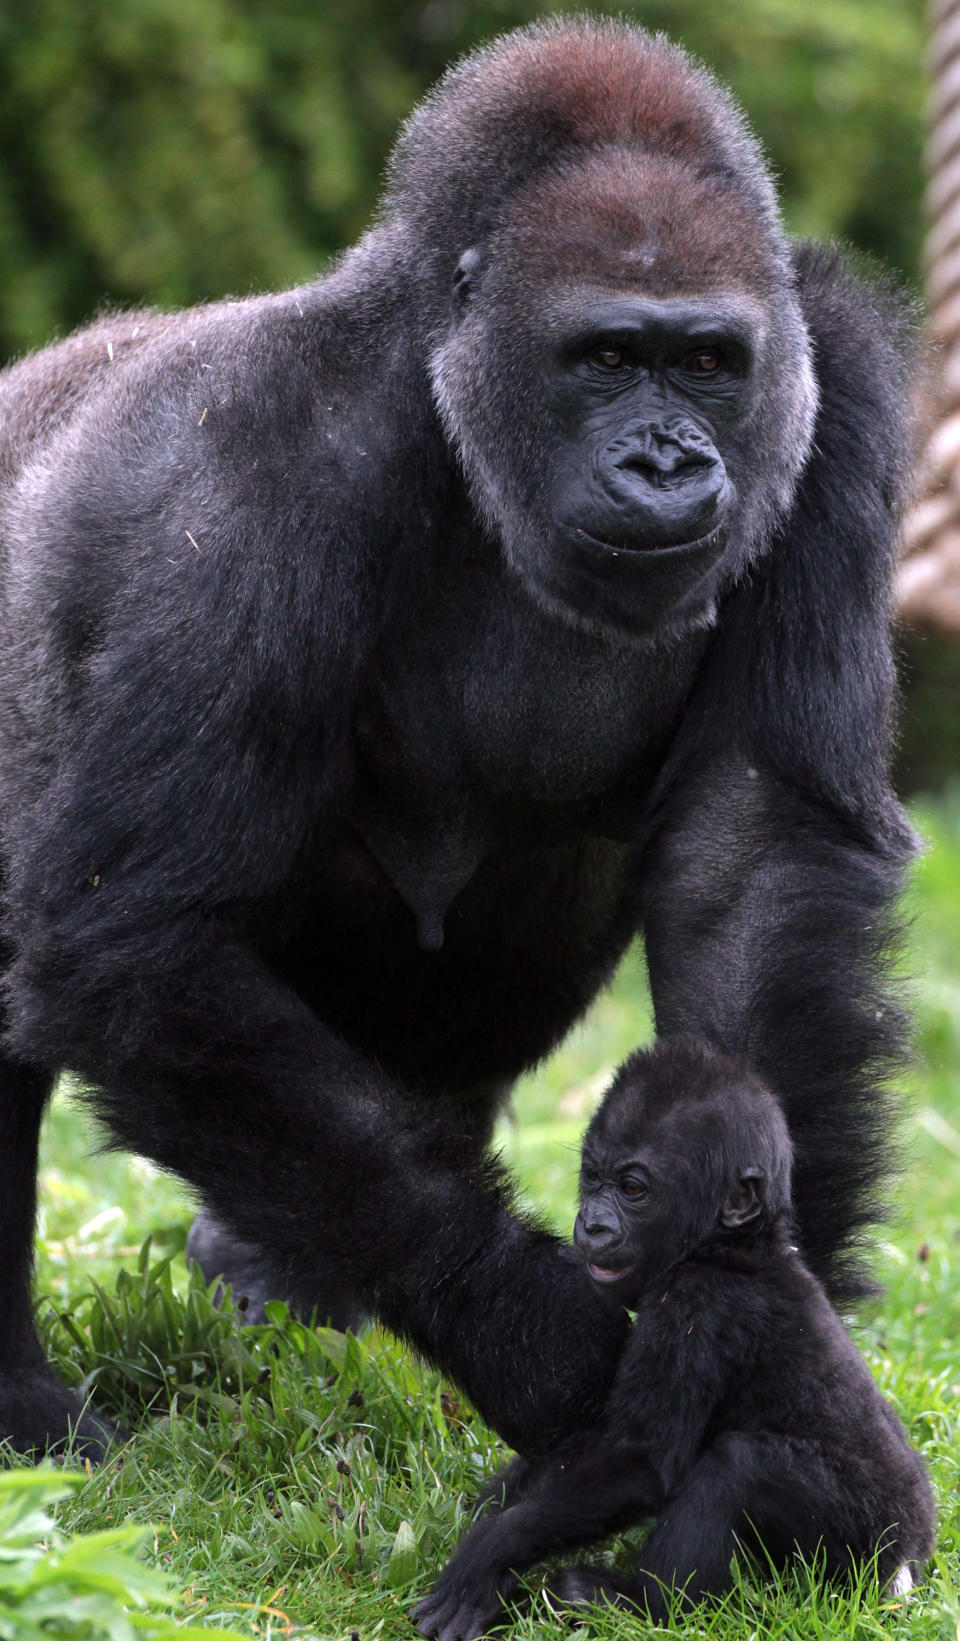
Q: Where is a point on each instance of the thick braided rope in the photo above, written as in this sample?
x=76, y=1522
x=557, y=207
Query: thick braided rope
x=928, y=582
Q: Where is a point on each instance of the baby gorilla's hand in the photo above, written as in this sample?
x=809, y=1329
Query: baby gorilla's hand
x=468, y=1598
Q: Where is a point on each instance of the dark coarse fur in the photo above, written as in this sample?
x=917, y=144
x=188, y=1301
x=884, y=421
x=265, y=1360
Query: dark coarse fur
x=354, y=715
x=742, y=1415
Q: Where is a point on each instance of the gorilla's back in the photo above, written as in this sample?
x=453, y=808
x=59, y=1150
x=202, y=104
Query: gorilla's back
x=41, y=391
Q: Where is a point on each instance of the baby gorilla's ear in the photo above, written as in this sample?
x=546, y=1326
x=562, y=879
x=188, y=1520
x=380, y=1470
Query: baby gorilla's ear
x=745, y=1201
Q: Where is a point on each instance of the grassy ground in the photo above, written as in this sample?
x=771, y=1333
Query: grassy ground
x=318, y=1485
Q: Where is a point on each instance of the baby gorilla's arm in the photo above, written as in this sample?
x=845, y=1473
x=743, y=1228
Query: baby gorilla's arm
x=596, y=1485
x=506, y=1486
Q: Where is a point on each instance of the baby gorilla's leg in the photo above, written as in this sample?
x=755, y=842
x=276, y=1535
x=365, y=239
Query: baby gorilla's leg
x=761, y=1490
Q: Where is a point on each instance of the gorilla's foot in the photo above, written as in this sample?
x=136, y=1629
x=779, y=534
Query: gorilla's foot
x=239, y=1264
x=40, y=1415
x=243, y=1266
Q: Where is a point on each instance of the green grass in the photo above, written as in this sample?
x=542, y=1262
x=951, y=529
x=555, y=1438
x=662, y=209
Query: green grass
x=290, y=1479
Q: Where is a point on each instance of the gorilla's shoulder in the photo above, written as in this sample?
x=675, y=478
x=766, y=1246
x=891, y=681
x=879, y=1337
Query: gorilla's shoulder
x=863, y=328
x=856, y=310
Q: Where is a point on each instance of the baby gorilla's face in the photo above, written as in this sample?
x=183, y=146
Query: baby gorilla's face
x=685, y=1149
x=619, y=1231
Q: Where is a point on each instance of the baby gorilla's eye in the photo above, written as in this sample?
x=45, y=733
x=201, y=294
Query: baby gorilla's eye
x=632, y=1187
x=590, y=1177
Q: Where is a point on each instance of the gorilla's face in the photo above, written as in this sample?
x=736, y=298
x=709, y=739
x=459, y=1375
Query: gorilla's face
x=645, y=395
x=630, y=446
x=649, y=401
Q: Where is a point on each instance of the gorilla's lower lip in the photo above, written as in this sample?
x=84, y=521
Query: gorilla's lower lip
x=678, y=547
x=600, y=1273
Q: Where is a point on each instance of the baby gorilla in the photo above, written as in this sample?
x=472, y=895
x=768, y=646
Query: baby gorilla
x=741, y=1414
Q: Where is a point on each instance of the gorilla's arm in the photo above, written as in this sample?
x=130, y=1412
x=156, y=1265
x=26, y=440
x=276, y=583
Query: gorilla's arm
x=302, y=1146
x=780, y=847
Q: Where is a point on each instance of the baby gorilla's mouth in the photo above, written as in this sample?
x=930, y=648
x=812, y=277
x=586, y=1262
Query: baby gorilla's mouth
x=601, y=1273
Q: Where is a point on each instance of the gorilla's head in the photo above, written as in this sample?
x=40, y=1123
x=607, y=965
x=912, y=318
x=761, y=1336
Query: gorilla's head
x=619, y=358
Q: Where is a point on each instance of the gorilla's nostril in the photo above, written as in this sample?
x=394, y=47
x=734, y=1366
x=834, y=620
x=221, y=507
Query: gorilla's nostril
x=657, y=465
x=663, y=455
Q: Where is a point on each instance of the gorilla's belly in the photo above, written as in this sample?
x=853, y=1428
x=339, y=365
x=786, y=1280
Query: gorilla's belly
x=527, y=942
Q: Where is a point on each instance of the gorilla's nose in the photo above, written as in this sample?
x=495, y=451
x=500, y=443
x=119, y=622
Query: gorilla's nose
x=668, y=454
x=667, y=481
x=666, y=462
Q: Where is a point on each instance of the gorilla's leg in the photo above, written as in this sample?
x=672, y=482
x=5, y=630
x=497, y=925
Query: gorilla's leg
x=244, y=1266
x=744, y=1488
x=36, y=1411
x=506, y=1486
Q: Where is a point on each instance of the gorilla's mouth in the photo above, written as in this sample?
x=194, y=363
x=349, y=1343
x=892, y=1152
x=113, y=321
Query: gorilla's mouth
x=601, y=1273
x=697, y=544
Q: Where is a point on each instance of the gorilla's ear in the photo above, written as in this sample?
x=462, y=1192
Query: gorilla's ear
x=465, y=276
x=745, y=1201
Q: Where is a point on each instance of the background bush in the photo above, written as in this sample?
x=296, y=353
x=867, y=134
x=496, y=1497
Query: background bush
x=151, y=151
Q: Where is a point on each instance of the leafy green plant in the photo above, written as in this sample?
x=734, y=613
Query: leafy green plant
x=82, y=1588
x=145, y=1343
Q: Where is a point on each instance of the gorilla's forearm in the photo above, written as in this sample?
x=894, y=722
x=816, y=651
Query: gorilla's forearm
x=503, y=1326
x=311, y=1152
x=776, y=949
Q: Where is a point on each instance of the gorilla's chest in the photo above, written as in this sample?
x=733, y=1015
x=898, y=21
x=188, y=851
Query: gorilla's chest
x=489, y=727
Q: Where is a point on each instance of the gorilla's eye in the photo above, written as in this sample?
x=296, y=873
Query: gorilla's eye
x=632, y=1187
x=591, y=1178
x=705, y=362
x=608, y=355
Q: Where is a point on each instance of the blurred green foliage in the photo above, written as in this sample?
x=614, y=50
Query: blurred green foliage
x=161, y=152
x=928, y=753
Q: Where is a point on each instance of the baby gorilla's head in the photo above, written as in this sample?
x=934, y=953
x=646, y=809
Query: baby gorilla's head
x=687, y=1150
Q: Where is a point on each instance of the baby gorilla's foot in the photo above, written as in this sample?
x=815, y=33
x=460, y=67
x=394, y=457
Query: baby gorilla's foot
x=599, y=1587
x=585, y=1586
x=450, y=1615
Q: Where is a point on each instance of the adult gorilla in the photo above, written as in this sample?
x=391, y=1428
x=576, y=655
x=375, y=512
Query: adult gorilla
x=377, y=658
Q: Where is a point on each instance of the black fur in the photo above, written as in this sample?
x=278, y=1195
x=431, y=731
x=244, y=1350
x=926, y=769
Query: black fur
x=354, y=717
x=741, y=1414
